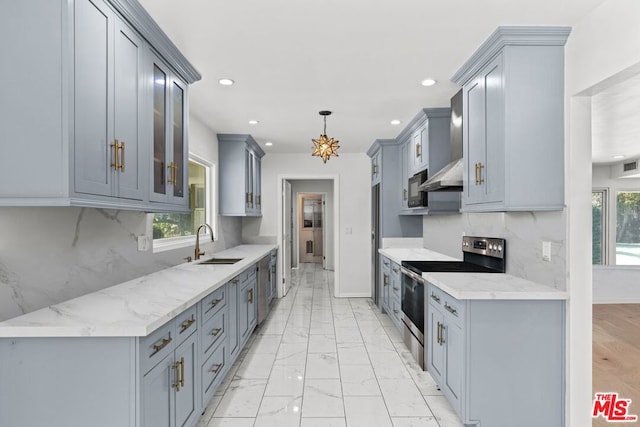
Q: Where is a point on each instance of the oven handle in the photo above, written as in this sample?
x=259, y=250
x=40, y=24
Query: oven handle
x=413, y=275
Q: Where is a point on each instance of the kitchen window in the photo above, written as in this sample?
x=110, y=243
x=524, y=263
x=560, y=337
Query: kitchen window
x=173, y=231
x=628, y=228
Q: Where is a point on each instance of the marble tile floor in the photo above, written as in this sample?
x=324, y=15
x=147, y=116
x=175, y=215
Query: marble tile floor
x=320, y=361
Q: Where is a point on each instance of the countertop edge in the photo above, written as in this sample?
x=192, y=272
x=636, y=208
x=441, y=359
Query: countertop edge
x=12, y=328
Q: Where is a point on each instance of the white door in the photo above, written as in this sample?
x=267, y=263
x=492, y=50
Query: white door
x=287, y=236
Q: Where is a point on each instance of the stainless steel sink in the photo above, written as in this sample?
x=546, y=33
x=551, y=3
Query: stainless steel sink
x=216, y=260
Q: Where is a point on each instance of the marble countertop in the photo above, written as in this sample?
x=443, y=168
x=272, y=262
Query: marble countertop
x=492, y=286
x=137, y=307
x=398, y=255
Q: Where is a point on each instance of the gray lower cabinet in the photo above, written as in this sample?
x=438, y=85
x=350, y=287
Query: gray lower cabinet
x=169, y=390
x=497, y=360
x=395, y=285
x=385, y=270
x=164, y=379
x=247, y=307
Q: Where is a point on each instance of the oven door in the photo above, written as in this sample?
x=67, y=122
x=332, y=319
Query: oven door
x=413, y=303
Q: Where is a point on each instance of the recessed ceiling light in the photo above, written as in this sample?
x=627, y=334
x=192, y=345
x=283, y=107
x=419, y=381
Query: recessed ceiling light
x=428, y=82
x=618, y=157
x=268, y=144
x=253, y=122
x=226, y=82
x=395, y=122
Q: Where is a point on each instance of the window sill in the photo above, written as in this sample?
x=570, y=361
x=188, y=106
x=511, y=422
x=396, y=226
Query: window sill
x=172, y=243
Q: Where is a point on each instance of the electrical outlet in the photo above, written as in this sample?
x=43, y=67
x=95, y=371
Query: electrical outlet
x=142, y=243
x=546, y=251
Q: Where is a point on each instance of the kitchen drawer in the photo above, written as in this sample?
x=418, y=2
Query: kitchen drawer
x=386, y=265
x=186, y=324
x=213, y=331
x=213, y=302
x=213, y=371
x=396, y=312
x=395, y=272
x=454, y=307
x=435, y=296
x=157, y=345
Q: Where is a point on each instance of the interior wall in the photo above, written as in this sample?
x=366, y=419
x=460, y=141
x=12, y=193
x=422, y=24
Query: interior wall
x=602, y=45
x=50, y=255
x=316, y=186
x=353, y=199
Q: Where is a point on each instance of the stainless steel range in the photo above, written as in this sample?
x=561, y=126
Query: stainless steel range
x=480, y=255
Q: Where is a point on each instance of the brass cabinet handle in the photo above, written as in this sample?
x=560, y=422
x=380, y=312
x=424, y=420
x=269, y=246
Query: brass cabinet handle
x=440, y=338
x=235, y=281
x=385, y=262
x=396, y=289
x=170, y=174
x=116, y=147
x=259, y=197
x=121, y=149
x=476, y=165
x=217, y=368
x=451, y=309
x=435, y=297
x=215, y=302
x=480, y=178
x=216, y=332
x=251, y=197
x=250, y=296
x=385, y=280
x=182, y=371
x=404, y=194
x=418, y=150
x=176, y=383
x=374, y=169
x=395, y=311
x=395, y=270
x=187, y=323
x=157, y=347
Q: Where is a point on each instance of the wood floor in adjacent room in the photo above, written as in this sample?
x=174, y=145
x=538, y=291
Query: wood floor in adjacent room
x=616, y=353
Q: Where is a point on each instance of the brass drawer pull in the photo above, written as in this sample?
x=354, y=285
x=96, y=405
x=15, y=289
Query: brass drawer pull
x=217, y=368
x=385, y=280
x=250, y=296
x=216, y=332
x=435, y=297
x=216, y=302
x=451, y=309
x=182, y=371
x=157, y=347
x=396, y=288
x=187, y=323
x=404, y=194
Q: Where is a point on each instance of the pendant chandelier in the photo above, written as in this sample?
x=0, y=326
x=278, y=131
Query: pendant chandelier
x=325, y=147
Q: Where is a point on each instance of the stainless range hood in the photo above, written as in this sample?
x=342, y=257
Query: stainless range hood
x=449, y=178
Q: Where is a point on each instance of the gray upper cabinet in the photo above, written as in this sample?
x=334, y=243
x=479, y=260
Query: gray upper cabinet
x=108, y=104
x=240, y=159
x=513, y=100
x=419, y=153
x=80, y=131
x=425, y=145
x=169, y=176
x=376, y=168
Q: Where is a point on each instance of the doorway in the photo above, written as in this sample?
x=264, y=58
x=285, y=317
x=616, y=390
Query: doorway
x=322, y=218
x=311, y=228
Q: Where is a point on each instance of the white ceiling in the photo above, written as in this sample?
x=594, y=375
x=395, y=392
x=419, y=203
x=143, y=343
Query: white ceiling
x=615, y=121
x=362, y=59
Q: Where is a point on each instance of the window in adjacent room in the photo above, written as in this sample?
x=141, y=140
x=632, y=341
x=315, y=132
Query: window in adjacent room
x=628, y=228
x=171, y=230
x=599, y=216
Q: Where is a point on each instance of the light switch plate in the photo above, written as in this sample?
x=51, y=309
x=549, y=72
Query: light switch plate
x=142, y=243
x=546, y=251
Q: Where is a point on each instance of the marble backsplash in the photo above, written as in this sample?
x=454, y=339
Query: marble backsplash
x=523, y=231
x=50, y=255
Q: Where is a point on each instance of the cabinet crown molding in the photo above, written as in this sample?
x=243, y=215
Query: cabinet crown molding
x=416, y=122
x=140, y=19
x=242, y=139
x=510, y=36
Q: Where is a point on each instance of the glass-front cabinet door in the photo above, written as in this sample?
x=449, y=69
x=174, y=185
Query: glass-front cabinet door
x=169, y=176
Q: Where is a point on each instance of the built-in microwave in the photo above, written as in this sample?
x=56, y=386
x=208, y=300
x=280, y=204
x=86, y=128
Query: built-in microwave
x=416, y=197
